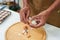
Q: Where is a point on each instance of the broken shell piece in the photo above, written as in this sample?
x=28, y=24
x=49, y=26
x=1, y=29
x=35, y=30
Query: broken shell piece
x=23, y=31
x=33, y=22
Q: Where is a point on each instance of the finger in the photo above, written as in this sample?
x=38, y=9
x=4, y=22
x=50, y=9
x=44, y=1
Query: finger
x=27, y=16
x=33, y=18
x=32, y=25
x=28, y=13
x=41, y=23
x=36, y=26
x=22, y=15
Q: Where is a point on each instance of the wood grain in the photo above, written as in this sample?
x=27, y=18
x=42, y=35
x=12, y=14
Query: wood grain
x=15, y=32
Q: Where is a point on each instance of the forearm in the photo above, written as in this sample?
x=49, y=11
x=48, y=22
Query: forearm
x=53, y=6
x=25, y=3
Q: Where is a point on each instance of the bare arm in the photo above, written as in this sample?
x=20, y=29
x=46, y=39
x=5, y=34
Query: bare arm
x=53, y=6
x=43, y=16
x=25, y=3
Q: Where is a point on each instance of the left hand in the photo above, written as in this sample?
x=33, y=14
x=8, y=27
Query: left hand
x=41, y=18
x=24, y=14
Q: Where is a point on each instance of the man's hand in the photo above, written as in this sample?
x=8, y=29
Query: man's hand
x=24, y=14
x=40, y=19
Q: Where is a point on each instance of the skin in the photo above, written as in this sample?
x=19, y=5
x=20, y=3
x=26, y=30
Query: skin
x=41, y=17
x=25, y=11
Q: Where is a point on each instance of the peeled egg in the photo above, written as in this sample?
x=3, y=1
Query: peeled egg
x=33, y=22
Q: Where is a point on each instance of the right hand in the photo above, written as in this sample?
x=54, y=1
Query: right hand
x=24, y=14
x=41, y=18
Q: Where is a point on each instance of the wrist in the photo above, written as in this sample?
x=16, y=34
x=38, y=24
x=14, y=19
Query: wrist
x=45, y=13
x=48, y=12
x=25, y=3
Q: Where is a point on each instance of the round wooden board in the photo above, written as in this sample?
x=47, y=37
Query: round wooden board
x=15, y=32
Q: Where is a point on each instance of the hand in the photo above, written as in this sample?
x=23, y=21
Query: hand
x=40, y=19
x=24, y=14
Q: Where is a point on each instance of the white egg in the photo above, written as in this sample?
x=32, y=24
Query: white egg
x=23, y=31
x=33, y=22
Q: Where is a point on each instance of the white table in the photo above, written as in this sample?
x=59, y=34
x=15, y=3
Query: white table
x=53, y=33
x=13, y=18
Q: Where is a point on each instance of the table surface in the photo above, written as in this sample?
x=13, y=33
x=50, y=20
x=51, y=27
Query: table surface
x=53, y=33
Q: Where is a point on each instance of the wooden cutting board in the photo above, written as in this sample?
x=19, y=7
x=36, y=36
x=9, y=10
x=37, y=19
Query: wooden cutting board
x=15, y=32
